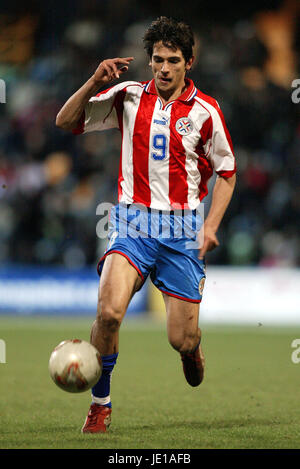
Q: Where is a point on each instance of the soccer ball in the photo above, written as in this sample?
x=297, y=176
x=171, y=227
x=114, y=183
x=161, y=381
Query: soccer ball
x=75, y=365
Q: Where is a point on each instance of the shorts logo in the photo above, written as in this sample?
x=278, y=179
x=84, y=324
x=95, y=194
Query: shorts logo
x=201, y=285
x=184, y=126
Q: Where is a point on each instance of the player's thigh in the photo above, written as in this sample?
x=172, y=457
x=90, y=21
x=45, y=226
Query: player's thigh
x=118, y=282
x=182, y=319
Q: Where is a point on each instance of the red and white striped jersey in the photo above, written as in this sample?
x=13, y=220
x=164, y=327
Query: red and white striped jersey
x=168, y=151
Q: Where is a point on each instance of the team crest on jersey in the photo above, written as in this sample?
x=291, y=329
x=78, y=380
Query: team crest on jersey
x=184, y=126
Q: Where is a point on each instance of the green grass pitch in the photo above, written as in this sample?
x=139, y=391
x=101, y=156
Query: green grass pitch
x=249, y=397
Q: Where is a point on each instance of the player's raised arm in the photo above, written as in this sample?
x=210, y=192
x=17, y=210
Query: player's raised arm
x=108, y=70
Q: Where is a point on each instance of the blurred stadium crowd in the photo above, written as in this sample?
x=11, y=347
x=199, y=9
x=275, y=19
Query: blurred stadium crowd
x=51, y=182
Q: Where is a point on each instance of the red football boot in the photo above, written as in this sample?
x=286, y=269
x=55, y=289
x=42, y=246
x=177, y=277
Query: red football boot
x=193, y=366
x=98, y=419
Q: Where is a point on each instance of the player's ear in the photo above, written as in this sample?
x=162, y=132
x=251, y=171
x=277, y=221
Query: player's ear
x=150, y=60
x=189, y=63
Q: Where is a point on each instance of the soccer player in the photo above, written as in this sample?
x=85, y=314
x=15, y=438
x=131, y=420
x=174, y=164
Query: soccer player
x=173, y=138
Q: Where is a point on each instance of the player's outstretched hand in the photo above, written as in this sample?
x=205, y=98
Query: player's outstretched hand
x=207, y=241
x=110, y=69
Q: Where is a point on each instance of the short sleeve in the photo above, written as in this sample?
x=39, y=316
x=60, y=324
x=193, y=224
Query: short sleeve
x=221, y=152
x=100, y=112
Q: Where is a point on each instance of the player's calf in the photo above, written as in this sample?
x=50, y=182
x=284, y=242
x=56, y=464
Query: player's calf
x=191, y=353
x=193, y=364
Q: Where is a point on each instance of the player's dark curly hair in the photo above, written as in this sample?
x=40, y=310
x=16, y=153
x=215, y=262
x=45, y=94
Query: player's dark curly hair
x=173, y=34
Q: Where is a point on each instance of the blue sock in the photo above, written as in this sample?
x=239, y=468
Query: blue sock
x=101, y=390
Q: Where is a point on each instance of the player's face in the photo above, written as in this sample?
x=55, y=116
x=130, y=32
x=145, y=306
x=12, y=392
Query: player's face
x=169, y=68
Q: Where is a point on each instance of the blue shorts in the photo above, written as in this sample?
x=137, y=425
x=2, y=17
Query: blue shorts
x=162, y=245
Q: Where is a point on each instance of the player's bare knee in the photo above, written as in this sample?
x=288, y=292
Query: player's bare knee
x=110, y=318
x=185, y=344
x=186, y=347
x=176, y=342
